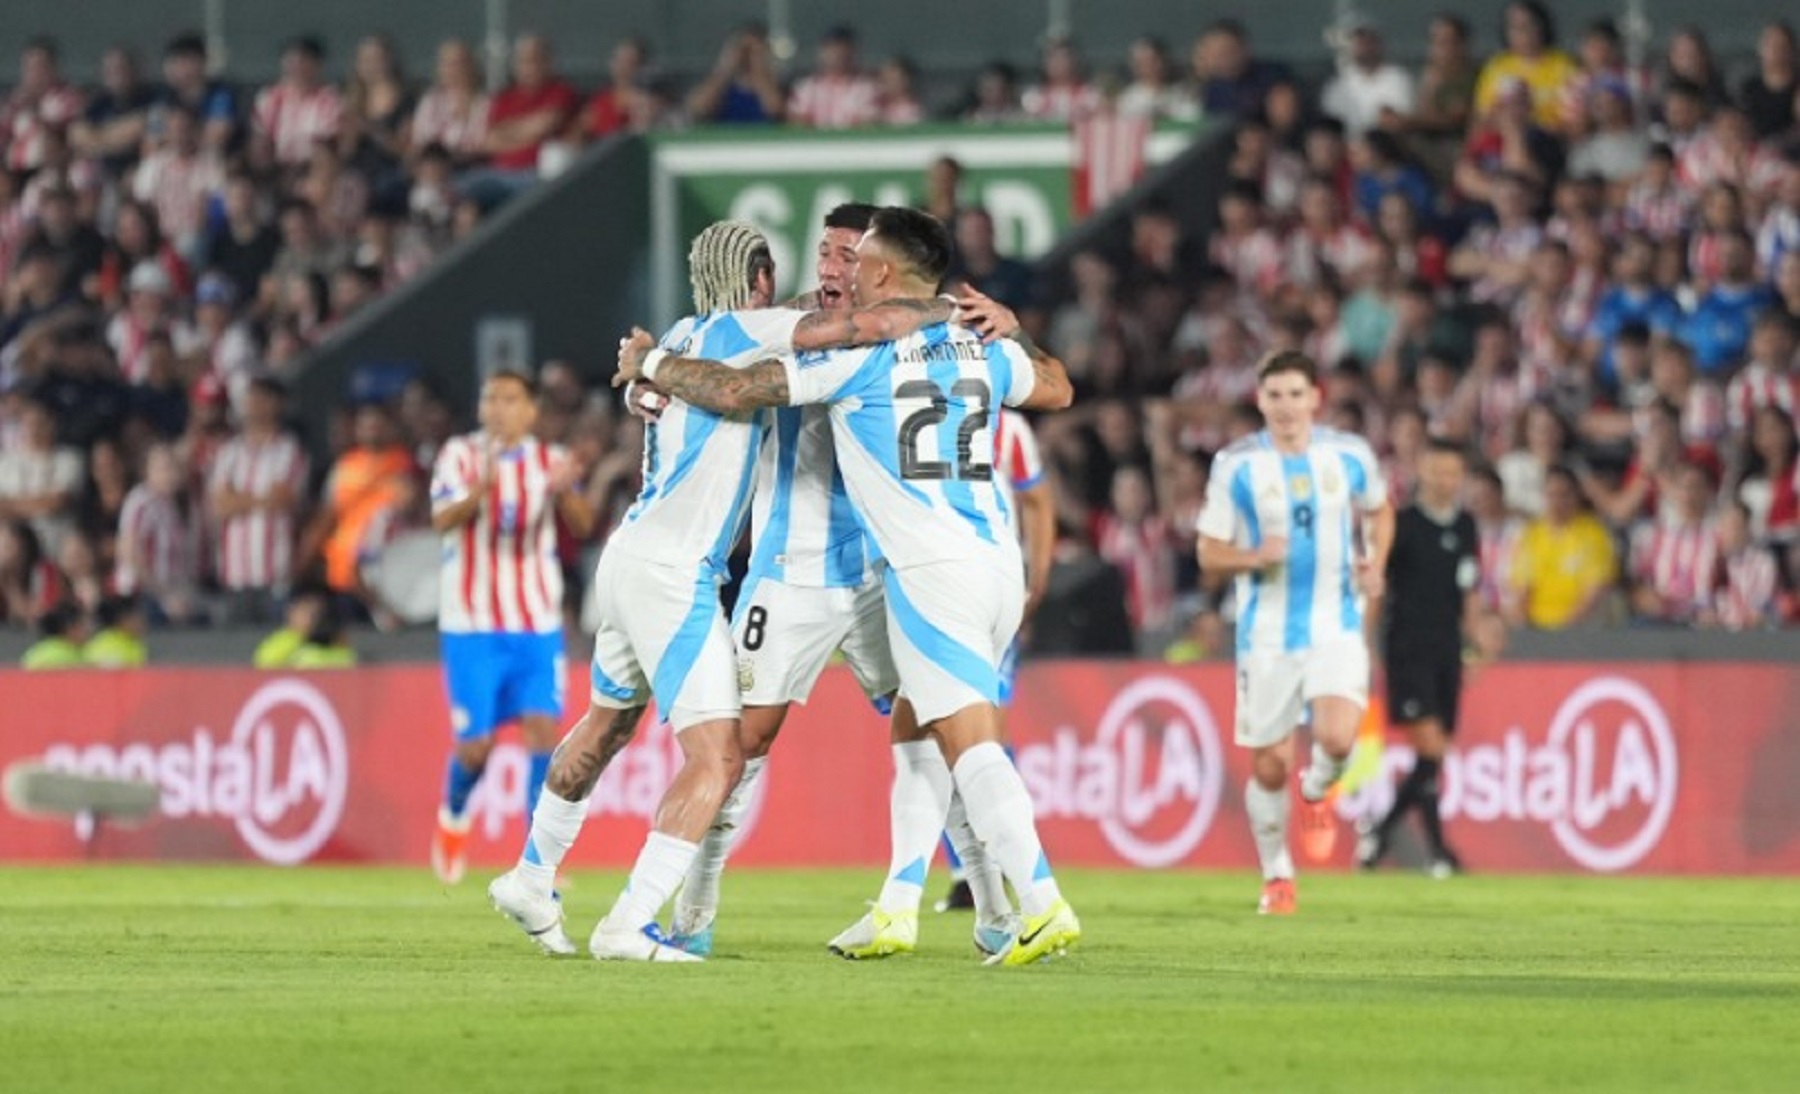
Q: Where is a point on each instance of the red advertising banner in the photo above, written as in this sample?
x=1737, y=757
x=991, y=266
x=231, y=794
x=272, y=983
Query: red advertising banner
x=1658, y=768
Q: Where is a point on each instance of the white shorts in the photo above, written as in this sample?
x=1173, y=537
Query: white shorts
x=1274, y=687
x=950, y=624
x=785, y=635
x=661, y=634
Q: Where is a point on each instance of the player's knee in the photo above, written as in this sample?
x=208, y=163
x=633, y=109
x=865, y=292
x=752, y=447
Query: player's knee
x=1270, y=770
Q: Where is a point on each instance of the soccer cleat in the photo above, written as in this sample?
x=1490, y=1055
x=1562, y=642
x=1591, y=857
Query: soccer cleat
x=878, y=934
x=699, y=943
x=1278, y=898
x=960, y=898
x=1318, y=829
x=647, y=943
x=994, y=935
x=540, y=917
x=1444, y=863
x=1041, y=936
x=450, y=847
x=1371, y=848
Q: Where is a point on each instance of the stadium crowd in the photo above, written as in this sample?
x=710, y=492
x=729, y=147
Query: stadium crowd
x=1586, y=270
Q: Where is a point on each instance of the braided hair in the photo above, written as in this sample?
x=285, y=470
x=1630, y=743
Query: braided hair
x=723, y=265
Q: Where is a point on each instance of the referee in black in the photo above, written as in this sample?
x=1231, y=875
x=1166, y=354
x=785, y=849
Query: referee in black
x=1433, y=575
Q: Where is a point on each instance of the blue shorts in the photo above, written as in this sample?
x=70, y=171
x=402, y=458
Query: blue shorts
x=498, y=678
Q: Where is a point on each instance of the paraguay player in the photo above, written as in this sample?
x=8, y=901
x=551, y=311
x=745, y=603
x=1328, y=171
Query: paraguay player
x=495, y=494
x=912, y=424
x=1282, y=514
x=661, y=631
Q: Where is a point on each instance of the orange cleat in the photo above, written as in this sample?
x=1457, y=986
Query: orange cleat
x=1278, y=898
x=1318, y=829
x=449, y=848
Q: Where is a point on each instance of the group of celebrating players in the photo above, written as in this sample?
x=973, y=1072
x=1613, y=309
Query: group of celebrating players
x=861, y=427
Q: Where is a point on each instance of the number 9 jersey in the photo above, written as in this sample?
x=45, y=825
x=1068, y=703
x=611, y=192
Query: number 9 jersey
x=914, y=424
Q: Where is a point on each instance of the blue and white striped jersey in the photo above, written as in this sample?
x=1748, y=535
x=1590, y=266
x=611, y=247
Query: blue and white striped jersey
x=806, y=531
x=913, y=422
x=698, y=464
x=1313, y=499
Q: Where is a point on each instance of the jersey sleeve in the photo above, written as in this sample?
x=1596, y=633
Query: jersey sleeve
x=822, y=376
x=772, y=328
x=1369, y=485
x=452, y=476
x=1014, y=375
x=1025, y=465
x=1225, y=496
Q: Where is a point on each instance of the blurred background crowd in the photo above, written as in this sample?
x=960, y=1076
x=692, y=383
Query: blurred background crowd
x=1583, y=267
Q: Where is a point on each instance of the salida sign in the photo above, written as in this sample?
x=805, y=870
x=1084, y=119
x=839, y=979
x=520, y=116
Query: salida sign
x=1557, y=767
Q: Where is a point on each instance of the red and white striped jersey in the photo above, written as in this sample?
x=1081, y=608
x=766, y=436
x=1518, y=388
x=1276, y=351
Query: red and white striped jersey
x=1016, y=458
x=128, y=339
x=159, y=544
x=459, y=127
x=178, y=186
x=24, y=125
x=1756, y=386
x=1144, y=552
x=1109, y=156
x=1748, y=594
x=1660, y=213
x=294, y=120
x=500, y=572
x=256, y=549
x=1254, y=261
x=834, y=102
x=1060, y=104
x=1498, y=545
x=1677, y=562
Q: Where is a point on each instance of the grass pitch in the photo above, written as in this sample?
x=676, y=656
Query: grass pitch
x=163, y=978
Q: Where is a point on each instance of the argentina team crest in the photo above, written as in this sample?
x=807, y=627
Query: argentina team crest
x=746, y=676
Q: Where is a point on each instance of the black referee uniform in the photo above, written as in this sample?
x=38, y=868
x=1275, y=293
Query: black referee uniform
x=1430, y=572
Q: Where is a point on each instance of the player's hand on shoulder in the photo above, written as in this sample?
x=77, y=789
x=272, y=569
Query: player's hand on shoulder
x=632, y=351
x=985, y=315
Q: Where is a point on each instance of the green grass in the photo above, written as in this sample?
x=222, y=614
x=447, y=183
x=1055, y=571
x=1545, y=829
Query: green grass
x=155, y=978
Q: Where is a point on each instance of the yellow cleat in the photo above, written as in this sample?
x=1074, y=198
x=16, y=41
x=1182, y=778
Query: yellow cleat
x=1050, y=934
x=878, y=934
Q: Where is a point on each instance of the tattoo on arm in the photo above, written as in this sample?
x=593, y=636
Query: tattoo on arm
x=1047, y=369
x=712, y=385
x=866, y=326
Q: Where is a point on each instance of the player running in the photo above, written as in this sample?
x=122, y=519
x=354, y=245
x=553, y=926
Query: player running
x=1282, y=513
x=495, y=494
x=661, y=632
x=912, y=425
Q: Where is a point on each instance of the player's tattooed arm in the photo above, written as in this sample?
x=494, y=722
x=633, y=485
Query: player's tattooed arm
x=867, y=326
x=994, y=320
x=716, y=387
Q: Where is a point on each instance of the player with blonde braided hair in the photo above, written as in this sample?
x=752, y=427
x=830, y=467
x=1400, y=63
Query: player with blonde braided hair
x=662, y=634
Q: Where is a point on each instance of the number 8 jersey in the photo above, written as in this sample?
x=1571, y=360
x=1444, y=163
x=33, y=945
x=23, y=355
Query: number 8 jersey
x=1313, y=499
x=914, y=427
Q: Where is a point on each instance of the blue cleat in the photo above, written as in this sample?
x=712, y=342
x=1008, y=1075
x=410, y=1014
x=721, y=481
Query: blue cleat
x=699, y=943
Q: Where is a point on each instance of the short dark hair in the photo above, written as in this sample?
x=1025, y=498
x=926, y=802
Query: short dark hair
x=115, y=609
x=1634, y=333
x=270, y=386
x=1444, y=446
x=918, y=239
x=854, y=215
x=310, y=44
x=517, y=377
x=188, y=44
x=59, y=620
x=1289, y=360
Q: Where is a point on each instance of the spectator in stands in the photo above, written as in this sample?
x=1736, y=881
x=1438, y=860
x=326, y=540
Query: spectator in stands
x=1132, y=536
x=1062, y=92
x=255, y=495
x=1530, y=58
x=186, y=85
x=1230, y=80
x=40, y=480
x=1690, y=59
x=1368, y=89
x=896, y=93
x=78, y=557
x=300, y=617
x=1565, y=566
x=326, y=645
x=138, y=243
x=1507, y=141
x=1257, y=158
x=838, y=94
x=1439, y=119
x=32, y=294
x=113, y=125
x=378, y=105
x=159, y=538
x=29, y=583
x=1769, y=378
x=1498, y=532
x=1674, y=559
x=979, y=262
x=305, y=247
x=1496, y=258
x=1769, y=484
x=625, y=102
x=742, y=86
x=943, y=190
x=1718, y=327
x=61, y=632
x=41, y=102
x=243, y=244
x=220, y=345
x=110, y=481
x=339, y=196
x=301, y=109
x=1656, y=457
x=1746, y=593
x=1767, y=94
x=994, y=98
x=119, y=643
x=1384, y=167
x=527, y=114
x=149, y=308
x=178, y=178
x=1615, y=148
x=453, y=113
x=1683, y=116
x=1153, y=91
x=73, y=241
x=363, y=483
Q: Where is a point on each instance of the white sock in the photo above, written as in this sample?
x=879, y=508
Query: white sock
x=698, y=902
x=1268, y=811
x=916, y=809
x=1321, y=773
x=1000, y=811
x=978, y=867
x=660, y=867
x=554, y=825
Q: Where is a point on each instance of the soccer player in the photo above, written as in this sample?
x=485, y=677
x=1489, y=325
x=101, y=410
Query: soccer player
x=912, y=423
x=661, y=631
x=1434, y=613
x=1282, y=514
x=495, y=494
